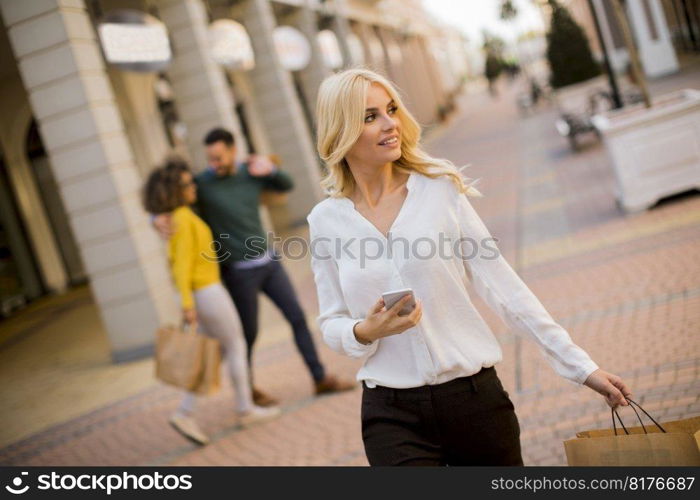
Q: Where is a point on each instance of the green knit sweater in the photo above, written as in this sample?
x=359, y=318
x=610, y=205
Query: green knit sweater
x=230, y=206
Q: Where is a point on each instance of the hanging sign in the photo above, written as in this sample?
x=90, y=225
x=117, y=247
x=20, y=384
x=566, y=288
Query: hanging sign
x=134, y=41
x=330, y=49
x=292, y=48
x=230, y=45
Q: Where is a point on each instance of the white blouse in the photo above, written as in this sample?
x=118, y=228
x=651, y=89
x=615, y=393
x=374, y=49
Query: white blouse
x=436, y=246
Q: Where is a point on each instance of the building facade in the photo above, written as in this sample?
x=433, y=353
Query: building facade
x=95, y=93
x=650, y=30
x=683, y=17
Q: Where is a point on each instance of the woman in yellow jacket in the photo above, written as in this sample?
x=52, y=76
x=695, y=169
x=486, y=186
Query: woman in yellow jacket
x=203, y=298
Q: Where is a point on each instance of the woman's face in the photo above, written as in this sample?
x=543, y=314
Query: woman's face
x=189, y=188
x=380, y=141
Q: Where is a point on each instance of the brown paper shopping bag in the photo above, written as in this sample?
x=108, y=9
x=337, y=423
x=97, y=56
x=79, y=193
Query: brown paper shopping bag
x=188, y=360
x=210, y=381
x=676, y=443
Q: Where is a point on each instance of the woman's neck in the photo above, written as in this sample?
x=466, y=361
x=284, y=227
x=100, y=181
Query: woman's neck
x=372, y=183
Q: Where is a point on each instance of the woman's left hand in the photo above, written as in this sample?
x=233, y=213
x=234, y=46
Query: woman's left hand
x=260, y=166
x=609, y=385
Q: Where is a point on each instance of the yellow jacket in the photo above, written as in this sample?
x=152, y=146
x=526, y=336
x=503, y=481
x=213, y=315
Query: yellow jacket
x=192, y=259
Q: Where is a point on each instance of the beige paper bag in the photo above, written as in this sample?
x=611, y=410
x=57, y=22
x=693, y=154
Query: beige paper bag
x=188, y=360
x=678, y=445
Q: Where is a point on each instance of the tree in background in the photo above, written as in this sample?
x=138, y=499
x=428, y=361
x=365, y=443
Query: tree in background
x=568, y=52
x=509, y=13
x=508, y=10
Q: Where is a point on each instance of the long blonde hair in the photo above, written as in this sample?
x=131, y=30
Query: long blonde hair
x=340, y=112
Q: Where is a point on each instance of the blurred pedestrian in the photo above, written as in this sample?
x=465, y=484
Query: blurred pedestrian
x=512, y=68
x=535, y=91
x=431, y=393
x=492, y=70
x=229, y=200
x=203, y=298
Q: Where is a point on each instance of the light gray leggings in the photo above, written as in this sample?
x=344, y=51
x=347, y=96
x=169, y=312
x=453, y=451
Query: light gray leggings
x=218, y=318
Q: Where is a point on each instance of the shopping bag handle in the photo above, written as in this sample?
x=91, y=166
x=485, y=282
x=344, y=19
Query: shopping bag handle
x=613, y=413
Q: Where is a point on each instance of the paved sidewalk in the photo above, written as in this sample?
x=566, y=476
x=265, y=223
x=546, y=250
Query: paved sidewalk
x=626, y=287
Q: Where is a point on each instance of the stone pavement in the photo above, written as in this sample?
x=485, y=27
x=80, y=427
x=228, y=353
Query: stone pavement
x=626, y=287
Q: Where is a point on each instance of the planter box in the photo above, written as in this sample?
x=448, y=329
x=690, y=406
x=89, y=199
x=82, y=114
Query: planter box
x=655, y=152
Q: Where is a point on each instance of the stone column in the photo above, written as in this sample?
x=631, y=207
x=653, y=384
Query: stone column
x=422, y=83
x=202, y=95
x=398, y=70
x=419, y=105
x=138, y=104
x=15, y=119
x=342, y=28
x=374, y=50
x=281, y=114
x=305, y=20
x=433, y=73
x=63, y=71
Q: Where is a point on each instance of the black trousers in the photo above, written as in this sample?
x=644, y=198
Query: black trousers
x=272, y=280
x=466, y=421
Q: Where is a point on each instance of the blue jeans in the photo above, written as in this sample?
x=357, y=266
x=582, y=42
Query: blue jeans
x=272, y=280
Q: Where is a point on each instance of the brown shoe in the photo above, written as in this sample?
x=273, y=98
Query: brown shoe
x=331, y=383
x=262, y=399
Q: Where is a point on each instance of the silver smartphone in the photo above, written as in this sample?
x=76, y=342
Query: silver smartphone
x=392, y=297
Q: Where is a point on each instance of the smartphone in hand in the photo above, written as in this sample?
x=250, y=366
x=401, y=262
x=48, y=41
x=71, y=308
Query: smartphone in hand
x=392, y=297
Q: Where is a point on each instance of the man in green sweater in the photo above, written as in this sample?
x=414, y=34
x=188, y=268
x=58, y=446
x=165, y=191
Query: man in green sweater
x=228, y=199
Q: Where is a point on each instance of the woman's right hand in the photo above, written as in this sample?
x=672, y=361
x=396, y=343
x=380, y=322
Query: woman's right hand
x=381, y=322
x=189, y=316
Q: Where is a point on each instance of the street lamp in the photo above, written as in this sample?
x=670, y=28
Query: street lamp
x=636, y=65
x=617, y=100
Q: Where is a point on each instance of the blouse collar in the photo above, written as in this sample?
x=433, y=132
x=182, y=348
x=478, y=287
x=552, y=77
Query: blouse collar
x=412, y=178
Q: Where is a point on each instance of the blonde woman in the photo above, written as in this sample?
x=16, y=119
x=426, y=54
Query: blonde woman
x=431, y=395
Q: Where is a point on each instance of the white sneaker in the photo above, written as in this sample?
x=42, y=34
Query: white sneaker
x=189, y=428
x=258, y=414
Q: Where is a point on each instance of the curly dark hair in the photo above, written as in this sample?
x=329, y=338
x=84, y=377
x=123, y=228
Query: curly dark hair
x=162, y=192
x=219, y=134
